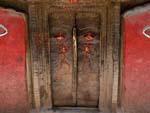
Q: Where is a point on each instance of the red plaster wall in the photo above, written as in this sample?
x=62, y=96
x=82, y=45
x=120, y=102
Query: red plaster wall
x=13, y=91
x=136, y=71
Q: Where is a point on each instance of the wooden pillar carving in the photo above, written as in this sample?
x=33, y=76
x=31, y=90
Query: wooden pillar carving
x=103, y=39
x=116, y=54
x=39, y=45
x=34, y=55
x=110, y=44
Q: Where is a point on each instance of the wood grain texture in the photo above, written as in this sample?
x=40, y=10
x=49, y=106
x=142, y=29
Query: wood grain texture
x=61, y=57
x=116, y=56
x=39, y=45
x=107, y=51
x=88, y=59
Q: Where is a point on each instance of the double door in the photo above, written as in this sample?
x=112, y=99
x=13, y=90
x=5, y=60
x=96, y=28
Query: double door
x=74, y=58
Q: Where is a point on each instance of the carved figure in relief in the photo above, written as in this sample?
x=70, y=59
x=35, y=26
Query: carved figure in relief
x=63, y=49
x=87, y=49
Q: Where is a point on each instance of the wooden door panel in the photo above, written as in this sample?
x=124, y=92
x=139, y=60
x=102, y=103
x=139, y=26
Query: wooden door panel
x=88, y=59
x=61, y=58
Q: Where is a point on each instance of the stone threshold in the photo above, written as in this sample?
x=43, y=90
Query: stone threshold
x=67, y=110
x=70, y=110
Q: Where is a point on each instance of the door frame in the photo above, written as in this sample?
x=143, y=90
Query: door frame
x=109, y=47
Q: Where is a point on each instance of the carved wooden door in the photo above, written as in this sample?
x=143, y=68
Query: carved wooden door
x=74, y=57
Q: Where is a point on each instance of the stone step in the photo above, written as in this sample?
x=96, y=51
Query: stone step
x=67, y=110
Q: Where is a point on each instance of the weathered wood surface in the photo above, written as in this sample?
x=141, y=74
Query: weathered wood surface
x=61, y=58
x=116, y=55
x=88, y=40
x=106, y=51
x=40, y=49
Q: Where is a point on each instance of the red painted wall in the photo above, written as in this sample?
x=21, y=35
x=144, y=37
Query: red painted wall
x=136, y=71
x=13, y=91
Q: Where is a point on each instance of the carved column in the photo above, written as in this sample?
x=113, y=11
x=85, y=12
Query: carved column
x=39, y=45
